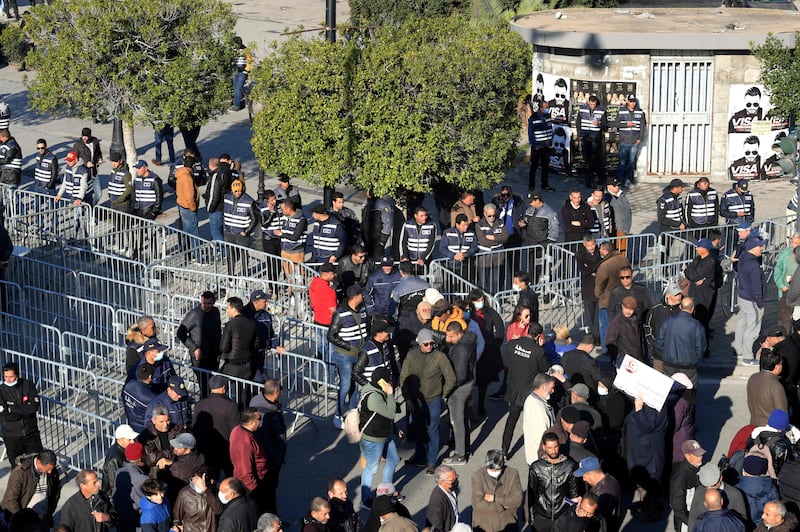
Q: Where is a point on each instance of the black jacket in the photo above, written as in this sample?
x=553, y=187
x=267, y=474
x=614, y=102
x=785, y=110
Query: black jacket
x=684, y=478
x=582, y=368
x=240, y=515
x=240, y=340
x=439, y=515
x=22, y=483
x=463, y=355
x=548, y=485
x=115, y=457
x=214, y=419
x=20, y=404
x=272, y=432
x=583, y=215
x=90, y=155
x=528, y=298
x=524, y=358
x=654, y=321
x=588, y=263
x=77, y=513
x=201, y=330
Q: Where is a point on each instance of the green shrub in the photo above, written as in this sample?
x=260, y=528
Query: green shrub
x=10, y=37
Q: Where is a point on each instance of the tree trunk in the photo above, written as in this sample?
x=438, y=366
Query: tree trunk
x=130, y=143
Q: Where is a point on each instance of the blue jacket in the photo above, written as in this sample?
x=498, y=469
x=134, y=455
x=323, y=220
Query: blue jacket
x=377, y=293
x=644, y=434
x=719, y=521
x=752, y=281
x=180, y=412
x=136, y=397
x=681, y=340
x=154, y=514
x=759, y=491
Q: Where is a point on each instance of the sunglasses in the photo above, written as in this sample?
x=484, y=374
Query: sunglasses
x=557, y=95
x=751, y=153
x=426, y=344
x=626, y=277
x=41, y=147
x=752, y=104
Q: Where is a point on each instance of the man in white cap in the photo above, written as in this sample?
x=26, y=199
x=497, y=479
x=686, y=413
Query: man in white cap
x=124, y=435
x=710, y=477
x=656, y=317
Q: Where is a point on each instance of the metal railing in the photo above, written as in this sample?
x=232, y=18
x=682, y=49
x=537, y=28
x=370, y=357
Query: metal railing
x=68, y=313
x=28, y=336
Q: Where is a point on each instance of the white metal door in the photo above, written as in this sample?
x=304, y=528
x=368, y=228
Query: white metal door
x=681, y=92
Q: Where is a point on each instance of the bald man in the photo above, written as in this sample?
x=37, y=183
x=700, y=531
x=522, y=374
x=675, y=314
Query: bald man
x=716, y=517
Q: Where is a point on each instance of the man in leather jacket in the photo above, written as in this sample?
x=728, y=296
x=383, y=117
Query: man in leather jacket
x=550, y=482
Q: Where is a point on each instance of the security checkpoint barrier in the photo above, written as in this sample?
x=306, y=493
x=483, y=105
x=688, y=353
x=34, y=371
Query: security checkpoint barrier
x=310, y=340
x=106, y=359
x=30, y=337
x=559, y=304
x=10, y=296
x=121, y=294
x=494, y=271
x=104, y=264
x=27, y=271
x=68, y=313
x=447, y=281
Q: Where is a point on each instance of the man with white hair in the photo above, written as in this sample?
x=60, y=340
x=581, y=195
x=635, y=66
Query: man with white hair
x=442, y=511
x=269, y=523
x=776, y=518
x=491, y=235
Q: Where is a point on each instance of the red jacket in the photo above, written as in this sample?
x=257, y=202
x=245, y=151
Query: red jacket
x=248, y=457
x=323, y=300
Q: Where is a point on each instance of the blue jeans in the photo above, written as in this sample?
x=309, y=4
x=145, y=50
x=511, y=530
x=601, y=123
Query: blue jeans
x=372, y=452
x=188, y=225
x=431, y=414
x=344, y=365
x=215, y=220
x=627, y=161
x=238, y=88
x=165, y=134
x=602, y=319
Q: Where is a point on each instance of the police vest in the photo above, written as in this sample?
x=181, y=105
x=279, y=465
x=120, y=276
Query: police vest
x=417, y=240
x=459, y=242
x=5, y=115
x=671, y=208
x=630, y=134
x=72, y=183
x=16, y=162
x=354, y=330
x=487, y=229
x=378, y=356
x=325, y=238
x=700, y=210
x=738, y=204
x=238, y=215
x=144, y=191
x=270, y=221
x=587, y=116
x=116, y=185
x=46, y=167
x=288, y=227
x=541, y=130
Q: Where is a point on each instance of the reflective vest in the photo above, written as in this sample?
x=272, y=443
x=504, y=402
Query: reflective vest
x=76, y=183
x=630, y=134
x=144, y=191
x=116, y=185
x=46, y=168
x=5, y=115
x=586, y=116
x=417, y=241
x=270, y=221
x=238, y=214
x=540, y=130
x=327, y=239
x=732, y=204
x=670, y=212
x=354, y=330
x=701, y=210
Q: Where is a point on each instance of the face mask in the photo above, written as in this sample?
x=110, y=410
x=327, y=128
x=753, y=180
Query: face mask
x=478, y=305
x=10, y=383
x=221, y=498
x=381, y=519
x=454, y=487
x=466, y=314
x=517, y=287
x=602, y=391
x=197, y=490
x=159, y=356
x=494, y=473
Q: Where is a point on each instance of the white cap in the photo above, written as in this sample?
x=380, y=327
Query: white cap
x=125, y=431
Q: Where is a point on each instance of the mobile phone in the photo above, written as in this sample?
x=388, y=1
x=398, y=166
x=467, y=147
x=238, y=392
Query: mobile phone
x=382, y=383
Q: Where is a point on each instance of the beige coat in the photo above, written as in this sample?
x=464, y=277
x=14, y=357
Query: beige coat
x=607, y=277
x=501, y=514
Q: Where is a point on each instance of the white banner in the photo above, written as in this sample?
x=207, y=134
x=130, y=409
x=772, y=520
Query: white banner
x=637, y=378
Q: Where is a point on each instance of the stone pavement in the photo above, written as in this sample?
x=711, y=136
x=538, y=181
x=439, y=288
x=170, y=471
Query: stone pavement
x=317, y=451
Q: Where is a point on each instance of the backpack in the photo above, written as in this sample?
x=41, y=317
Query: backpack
x=756, y=449
x=352, y=421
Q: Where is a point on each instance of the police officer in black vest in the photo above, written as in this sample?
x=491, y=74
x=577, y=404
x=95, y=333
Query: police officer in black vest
x=592, y=124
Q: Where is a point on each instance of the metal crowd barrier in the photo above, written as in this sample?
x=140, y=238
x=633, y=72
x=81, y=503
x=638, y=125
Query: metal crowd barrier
x=104, y=358
x=27, y=271
x=559, y=304
x=28, y=336
x=68, y=313
x=120, y=294
x=310, y=340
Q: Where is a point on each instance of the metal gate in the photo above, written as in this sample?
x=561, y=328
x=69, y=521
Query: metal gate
x=681, y=92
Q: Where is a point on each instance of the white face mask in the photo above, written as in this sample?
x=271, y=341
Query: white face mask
x=602, y=390
x=517, y=287
x=198, y=490
x=159, y=356
x=494, y=473
x=10, y=383
x=221, y=498
x=478, y=305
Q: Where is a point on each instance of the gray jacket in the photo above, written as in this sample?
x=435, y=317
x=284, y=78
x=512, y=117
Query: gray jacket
x=622, y=212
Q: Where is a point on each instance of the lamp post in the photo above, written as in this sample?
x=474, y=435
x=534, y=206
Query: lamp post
x=330, y=36
x=117, y=145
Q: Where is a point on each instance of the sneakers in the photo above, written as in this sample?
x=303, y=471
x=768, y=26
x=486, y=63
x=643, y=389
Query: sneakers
x=429, y=470
x=155, y=162
x=749, y=362
x=455, y=460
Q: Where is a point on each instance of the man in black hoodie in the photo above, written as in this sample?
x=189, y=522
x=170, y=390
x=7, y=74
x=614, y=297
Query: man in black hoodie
x=462, y=354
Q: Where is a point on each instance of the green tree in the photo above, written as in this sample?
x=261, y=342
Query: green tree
x=780, y=72
x=395, y=12
x=431, y=101
x=163, y=62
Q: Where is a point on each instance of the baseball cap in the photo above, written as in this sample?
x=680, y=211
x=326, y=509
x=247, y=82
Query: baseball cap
x=440, y=307
x=692, y=447
x=86, y=132
x=382, y=505
x=676, y=183
x=615, y=183
x=534, y=196
x=743, y=226
x=776, y=331
x=631, y=97
x=386, y=261
x=125, y=431
x=743, y=184
x=432, y=295
x=752, y=243
x=381, y=325
x=71, y=157
x=116, y=157
x=590, y=463
x=237, y=185
x=319, y=208
x=570, y=414
x=705, y=244
x=709, y=474
x=581, y=429
x=259, y=295
x=153, y=343
x=217, y=381
x=177, y=385
x=134, y=451
x=141, y=163
x=354, y=290
x=672, y=289
x=184, y=440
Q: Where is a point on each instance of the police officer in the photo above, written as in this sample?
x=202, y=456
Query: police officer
x=328, y=237
x=292, y=233
x=240, y=215
x=408, y=293
x=286, y=190
x=540, y=222
x=592, y=124
x=669, y=207
x=148, y=191
x=459, y=243
x=702, y=205
x=10, y=159
x=45, y=169
x=737, y=204
x=270, y=217
x=136, y=396
x=417, y=239
x=256, y=310
x=75, y=185
x=632, y=125
x=380, y=285
x=120, y=185
x=540, y=136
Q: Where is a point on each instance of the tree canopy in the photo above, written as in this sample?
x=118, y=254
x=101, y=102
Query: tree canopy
x=780, y=72
x=165, y=62
x=395, y=12
x=433, y=100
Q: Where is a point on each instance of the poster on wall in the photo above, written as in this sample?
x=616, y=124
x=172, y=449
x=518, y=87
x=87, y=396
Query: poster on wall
x=556, y=93
x=752, y=130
